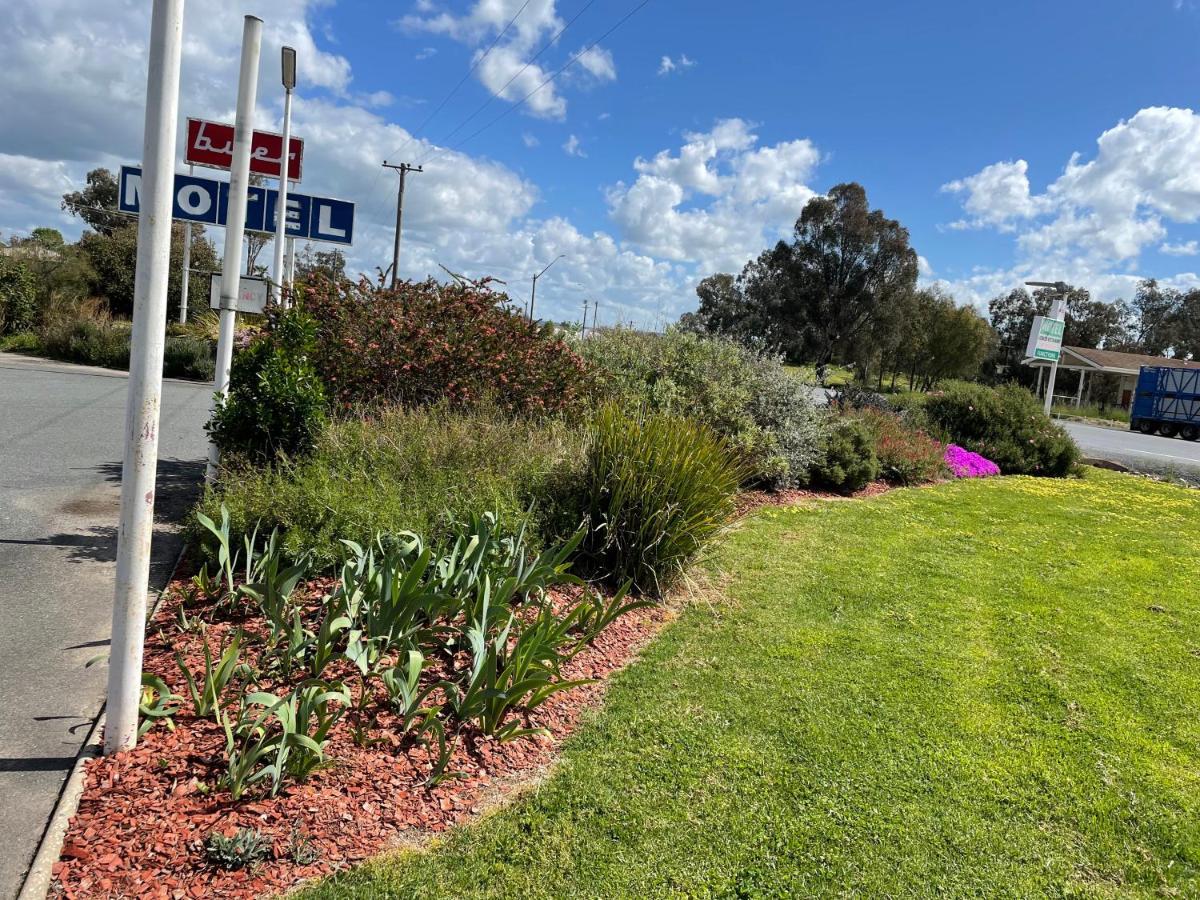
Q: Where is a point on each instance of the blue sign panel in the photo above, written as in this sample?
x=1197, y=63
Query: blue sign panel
x=206, y=200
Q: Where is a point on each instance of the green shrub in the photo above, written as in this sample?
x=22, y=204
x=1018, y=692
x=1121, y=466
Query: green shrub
x=401, y=470
x=657, y=489
x=849, y=462
x=188, y=357
x=276, y=402
x=906, y=453
x=18, y=296
x=94, y=341
x=21, y=342
x=748, y=398
x=1007, y=426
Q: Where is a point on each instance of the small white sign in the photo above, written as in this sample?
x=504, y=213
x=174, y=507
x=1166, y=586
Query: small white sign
x=252, y=294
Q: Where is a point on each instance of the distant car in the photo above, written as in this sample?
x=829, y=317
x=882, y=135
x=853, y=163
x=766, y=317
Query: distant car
x=1167, y=400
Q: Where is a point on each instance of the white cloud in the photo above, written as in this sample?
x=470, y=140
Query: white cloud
x=425, y=53
x=719, y=200
x=473, y=215
x=598, y=63
x=572, y=147
x=508, y=70
x=529, y=140
x=1185, y=248
x=997, y=196
x=1091, y=224
x=667, y=65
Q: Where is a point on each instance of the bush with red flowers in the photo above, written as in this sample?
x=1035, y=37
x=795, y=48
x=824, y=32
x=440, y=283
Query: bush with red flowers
x=426, y=342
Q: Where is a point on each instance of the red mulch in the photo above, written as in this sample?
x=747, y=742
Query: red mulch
x=145, y=814
x=749, y=501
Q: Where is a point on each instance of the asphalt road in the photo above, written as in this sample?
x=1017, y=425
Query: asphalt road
x=60, y=470
x=1140, y=452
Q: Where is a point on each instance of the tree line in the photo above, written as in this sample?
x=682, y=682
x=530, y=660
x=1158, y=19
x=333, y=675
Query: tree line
x=844, y=290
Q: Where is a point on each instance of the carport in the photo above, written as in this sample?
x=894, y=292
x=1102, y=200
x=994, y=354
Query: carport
x=1087, y=361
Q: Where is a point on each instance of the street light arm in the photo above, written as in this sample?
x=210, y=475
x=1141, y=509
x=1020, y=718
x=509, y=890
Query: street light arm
x=552, y=262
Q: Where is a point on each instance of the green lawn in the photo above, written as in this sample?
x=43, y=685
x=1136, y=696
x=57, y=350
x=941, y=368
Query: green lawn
x=978, y=689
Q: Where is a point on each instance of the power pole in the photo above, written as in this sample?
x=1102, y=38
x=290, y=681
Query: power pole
x=595, y=315
x=403, y=169
x=583, y=329
x=533, y=293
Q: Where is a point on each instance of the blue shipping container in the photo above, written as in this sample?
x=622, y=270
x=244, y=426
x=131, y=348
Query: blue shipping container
x=1167, y=400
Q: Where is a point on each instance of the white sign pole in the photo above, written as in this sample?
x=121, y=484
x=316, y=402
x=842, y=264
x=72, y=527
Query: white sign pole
x=1055, y=313
x=142, y=405
x=277, y=271
x=235, y=224
x=187, y=268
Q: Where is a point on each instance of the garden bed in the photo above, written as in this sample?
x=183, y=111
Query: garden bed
x=145, y=814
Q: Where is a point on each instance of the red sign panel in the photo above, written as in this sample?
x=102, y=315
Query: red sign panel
x=211, y=144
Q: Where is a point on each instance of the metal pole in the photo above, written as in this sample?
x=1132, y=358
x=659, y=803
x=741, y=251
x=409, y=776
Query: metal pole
x=235, y=223
x=291, y=262
x=583, y=328
x=1055, y=313
x=187, y=267
x=142, y=405
x=277, y=271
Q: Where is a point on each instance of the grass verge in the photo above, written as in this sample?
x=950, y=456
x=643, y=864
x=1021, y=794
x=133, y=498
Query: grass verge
x=983, y=688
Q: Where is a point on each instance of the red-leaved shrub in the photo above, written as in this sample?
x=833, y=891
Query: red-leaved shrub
x=425, y=342
x=907, y=455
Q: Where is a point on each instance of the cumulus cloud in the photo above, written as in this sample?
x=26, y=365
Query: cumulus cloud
x=505, y=53
x=717, y=200
x=471, y=214
x=1093, y=221
x=573, y=147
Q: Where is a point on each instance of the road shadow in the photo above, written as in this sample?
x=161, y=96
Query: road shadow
x=178, y=488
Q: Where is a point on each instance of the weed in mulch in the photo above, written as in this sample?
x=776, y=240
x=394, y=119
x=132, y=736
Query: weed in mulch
x=243, y=848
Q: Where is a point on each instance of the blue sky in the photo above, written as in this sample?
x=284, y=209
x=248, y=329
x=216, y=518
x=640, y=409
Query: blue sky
x=960, y=119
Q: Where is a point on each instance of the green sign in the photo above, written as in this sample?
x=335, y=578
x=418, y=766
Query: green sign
x=1045, y=338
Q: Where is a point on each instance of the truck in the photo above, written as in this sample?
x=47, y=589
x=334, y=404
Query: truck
x=1167, y=400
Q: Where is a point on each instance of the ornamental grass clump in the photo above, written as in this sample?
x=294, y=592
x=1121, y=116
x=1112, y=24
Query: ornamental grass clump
x=965, y=464
x=657, y=489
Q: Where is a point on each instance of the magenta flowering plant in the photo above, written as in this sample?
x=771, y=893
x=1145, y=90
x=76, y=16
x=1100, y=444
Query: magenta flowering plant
x=965, y=464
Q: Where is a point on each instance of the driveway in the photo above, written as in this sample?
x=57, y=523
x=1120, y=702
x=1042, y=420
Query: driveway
x=1140, y=452
x=60, y=471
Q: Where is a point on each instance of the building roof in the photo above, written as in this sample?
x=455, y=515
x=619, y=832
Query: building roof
x=1113, y=361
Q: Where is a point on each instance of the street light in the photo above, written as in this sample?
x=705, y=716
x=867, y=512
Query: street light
x=288, y=66
x=1060, y=290
x=533, y=293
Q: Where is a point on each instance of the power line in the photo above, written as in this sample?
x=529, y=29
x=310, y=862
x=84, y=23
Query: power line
x=629, y=15
x=521, y=71
x=471, y=71
x=412, y=135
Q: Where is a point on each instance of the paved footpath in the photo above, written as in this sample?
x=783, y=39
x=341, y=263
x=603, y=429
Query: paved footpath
x=60, y=470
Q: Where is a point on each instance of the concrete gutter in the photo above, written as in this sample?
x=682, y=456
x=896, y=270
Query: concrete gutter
x=41, y=872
